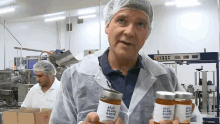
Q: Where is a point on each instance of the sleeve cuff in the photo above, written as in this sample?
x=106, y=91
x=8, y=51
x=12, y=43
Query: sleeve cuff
x=80, y=122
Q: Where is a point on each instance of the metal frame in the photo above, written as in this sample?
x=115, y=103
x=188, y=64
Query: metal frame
x=204, y=92
x=206, y=57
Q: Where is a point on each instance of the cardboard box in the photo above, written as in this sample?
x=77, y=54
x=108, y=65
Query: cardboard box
x=27, y=116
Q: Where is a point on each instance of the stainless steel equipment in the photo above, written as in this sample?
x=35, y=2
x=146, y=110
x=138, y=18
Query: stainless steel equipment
x=202, y=92
x=9, y=83
x=22, y=92
x=61, y=60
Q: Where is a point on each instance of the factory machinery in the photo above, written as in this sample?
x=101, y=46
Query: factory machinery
x=15, y=84
x=204, y=91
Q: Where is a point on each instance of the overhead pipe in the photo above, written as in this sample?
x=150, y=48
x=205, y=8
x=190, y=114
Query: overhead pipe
x=100, y=25
x=4, y=46
x=17, y=41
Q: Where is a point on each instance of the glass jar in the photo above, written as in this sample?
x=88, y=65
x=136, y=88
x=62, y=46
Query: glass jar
x=183, y=109
x=109, y=105
x=164, y=107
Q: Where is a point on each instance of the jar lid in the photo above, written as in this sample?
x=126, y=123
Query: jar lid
x=183, y=95
x=112, y=94
x=165, y=95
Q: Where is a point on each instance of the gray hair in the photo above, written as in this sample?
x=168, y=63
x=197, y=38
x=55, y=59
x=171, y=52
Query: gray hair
x=45, y=66
x=115, y=6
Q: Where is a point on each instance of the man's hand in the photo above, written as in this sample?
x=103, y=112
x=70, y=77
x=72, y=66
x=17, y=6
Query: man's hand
x=93, y=118
x=175, y=121
x=193, y=107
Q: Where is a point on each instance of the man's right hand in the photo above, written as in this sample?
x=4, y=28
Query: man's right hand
x=175, y=121
x=93, y=118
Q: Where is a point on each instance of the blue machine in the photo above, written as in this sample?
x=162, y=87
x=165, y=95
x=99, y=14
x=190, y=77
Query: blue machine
x=194, y=58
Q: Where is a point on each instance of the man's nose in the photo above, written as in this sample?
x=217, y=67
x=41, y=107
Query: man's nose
x=130, y=30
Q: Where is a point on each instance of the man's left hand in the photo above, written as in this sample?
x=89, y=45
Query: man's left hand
x=175, y=121
x=117, y=121
x=193, y=107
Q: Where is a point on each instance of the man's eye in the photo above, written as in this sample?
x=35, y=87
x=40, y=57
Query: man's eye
x=122, y=21
x=141, y=24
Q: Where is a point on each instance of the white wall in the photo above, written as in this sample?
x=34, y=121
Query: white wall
x=175, y=30
x=1, y=47
x=85, y=36
x=33, y=35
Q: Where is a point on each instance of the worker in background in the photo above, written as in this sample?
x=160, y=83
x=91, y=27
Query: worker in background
x=128, y=25
x=44, y=93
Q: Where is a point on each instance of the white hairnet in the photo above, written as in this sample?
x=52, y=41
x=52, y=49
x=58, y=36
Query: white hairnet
x=115, y=6
x=45, y=66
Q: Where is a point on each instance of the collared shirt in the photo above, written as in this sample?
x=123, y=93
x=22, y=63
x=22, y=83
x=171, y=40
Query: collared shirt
x=119, y=82
x=36, y=98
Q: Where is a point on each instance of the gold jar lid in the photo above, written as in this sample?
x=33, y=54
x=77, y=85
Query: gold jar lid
x=165, y=95
x=111, y=94
x=183, y=95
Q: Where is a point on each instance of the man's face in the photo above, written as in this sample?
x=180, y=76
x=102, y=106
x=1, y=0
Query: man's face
x=42, y=79
x=127, y=33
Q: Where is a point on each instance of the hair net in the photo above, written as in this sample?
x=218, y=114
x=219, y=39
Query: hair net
x=115, y=6
x=45, y=66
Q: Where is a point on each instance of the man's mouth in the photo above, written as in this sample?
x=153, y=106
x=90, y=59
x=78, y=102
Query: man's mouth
x=126, y=43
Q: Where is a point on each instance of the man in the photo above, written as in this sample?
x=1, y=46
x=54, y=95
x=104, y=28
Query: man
x=128, y=25
x=44, y=93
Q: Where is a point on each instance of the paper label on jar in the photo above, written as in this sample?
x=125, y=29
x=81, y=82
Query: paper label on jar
x=107, y=111
x=183, y=112
x=163, y=112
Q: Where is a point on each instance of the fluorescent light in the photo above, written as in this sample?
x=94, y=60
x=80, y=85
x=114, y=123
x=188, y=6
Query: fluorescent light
x=88, y=16
x=54, y=14
x=170, y=3
x=184, y=3
x=83, y=12
x=195, y=4
x=6, y=2
x=55, y=19
x=6, y=10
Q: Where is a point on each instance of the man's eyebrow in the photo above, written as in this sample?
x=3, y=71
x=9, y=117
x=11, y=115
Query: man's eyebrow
x=122, y=16
x=143, y=20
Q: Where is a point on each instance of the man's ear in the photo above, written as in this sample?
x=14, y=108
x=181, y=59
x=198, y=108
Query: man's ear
x=107, y=29
x=51, y=74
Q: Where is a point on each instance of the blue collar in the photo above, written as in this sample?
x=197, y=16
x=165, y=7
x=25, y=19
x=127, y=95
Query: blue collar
x=106, y=68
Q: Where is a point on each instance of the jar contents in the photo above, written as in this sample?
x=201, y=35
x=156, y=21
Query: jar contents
x=183, y=108
x=109, y=105
x=164, y=107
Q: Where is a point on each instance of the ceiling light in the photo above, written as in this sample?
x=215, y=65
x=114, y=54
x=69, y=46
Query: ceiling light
x=83, y=12
x=54, y=19
x=6, y=10
x=6, y=2
x=184, y=3
x=88, y=16
x=54, y=14
x=170, y=3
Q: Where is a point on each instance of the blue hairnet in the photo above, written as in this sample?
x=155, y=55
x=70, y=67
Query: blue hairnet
x=45, y=66
x=115, y=6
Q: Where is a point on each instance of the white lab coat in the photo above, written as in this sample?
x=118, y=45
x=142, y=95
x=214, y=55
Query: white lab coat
x=82, y=83
x=36, y=98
